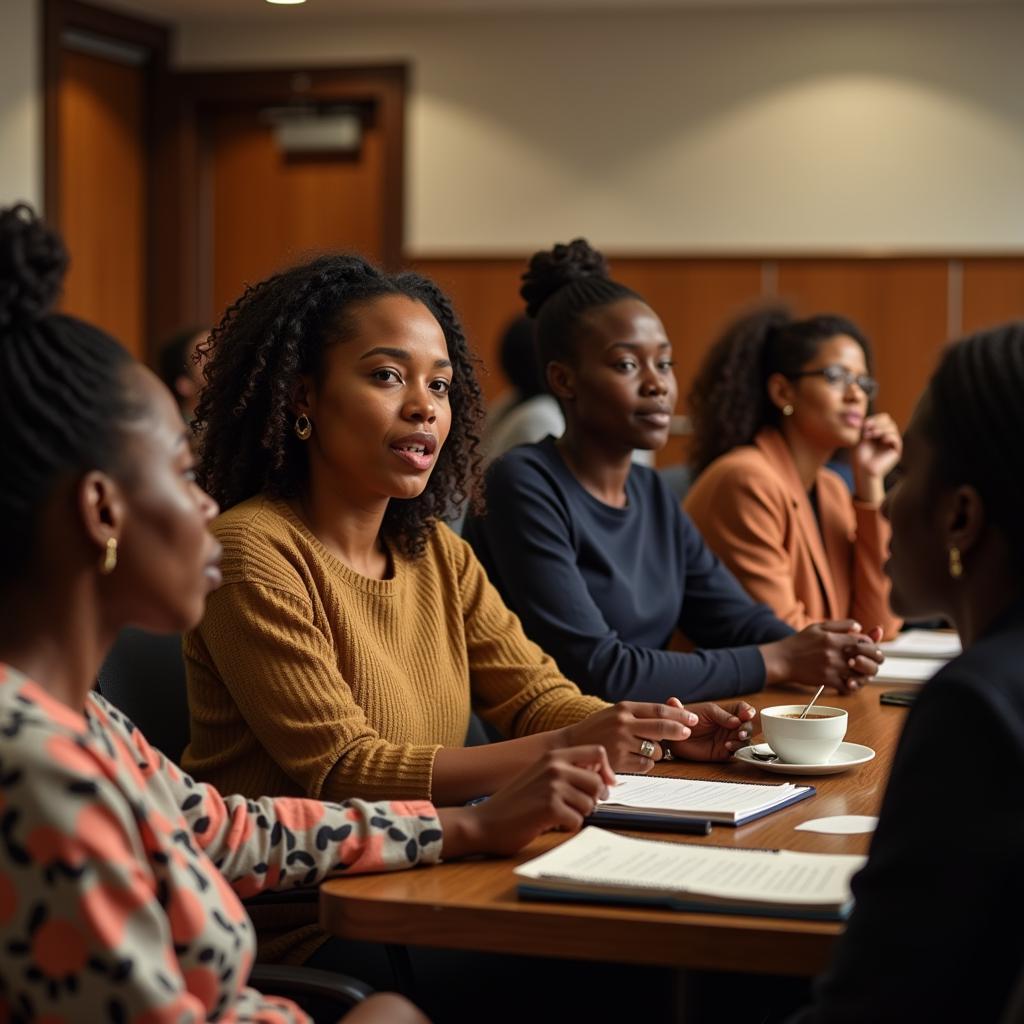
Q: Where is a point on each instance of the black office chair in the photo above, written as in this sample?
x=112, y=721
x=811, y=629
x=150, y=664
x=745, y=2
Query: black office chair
x=144, y=676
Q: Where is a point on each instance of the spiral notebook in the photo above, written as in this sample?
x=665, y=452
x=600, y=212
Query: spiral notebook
x=641, y=798
x=605, y=867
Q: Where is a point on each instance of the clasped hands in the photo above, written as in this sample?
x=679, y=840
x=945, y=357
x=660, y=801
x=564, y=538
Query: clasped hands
x=838, y=653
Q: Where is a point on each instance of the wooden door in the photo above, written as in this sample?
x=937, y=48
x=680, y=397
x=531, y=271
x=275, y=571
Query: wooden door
x=269, y=209
x=102, y=71
x=101, y=181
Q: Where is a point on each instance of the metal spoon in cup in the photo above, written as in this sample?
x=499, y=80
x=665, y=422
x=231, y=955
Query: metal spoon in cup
x=803, y=714
x=768, y=758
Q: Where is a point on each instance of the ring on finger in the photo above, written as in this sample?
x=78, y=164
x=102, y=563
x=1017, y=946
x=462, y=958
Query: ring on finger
x=647, y=749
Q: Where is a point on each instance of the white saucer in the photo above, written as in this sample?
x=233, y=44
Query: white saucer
x=847, y=756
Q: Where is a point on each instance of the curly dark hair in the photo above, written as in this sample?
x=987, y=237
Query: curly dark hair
x=975, y=419
x=63, y=394
x=729, y=400
x=277, y=331
x=559, y=287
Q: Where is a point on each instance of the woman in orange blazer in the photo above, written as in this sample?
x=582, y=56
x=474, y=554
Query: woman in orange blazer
x=772, y=403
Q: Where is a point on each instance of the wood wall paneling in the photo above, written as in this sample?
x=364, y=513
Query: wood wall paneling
x=101, y=179
x=485, y=293
x=693, y=297
x=901, y=304
x=993, y=292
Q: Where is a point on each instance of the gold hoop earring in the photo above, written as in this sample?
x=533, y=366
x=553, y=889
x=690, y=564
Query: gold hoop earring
x=109, y=561
x=303, y=427
x=787, y=410
x=956, y=565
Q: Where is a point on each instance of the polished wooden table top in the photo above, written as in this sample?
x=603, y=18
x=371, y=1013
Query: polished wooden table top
x=474, y=905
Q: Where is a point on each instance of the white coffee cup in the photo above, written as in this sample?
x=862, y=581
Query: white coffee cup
x=810, y=740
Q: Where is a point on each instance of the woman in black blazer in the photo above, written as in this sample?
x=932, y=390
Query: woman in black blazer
x=936, y=931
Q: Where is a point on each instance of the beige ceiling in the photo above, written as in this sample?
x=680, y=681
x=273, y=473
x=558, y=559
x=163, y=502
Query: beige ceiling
x=177, y=11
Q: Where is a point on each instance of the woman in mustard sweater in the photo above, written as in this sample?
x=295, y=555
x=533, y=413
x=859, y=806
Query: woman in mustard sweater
x=120, y=876
x=354, y=631
x=773, y=401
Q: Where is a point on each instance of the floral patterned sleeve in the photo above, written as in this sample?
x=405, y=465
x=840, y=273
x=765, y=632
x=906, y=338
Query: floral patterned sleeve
x=87, y=925
x=111, y=906
x=284, y=842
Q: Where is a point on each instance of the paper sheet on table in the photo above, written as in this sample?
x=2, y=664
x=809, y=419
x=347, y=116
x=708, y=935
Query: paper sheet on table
x=599, y=856
x=923, y=643
x=908, y=670
x=840, y=824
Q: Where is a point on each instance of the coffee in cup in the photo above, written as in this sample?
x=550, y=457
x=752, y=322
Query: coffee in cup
x=810, y=740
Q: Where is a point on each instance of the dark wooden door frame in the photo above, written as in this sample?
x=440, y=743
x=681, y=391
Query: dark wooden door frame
x=184, y=214
x=177, y=217
x=58, y=17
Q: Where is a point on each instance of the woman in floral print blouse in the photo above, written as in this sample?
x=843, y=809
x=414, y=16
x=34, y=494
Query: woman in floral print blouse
x=121, y=877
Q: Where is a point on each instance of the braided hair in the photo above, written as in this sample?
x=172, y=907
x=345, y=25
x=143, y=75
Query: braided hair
x=560, y=286
x=729, y=400
x=63, y=398
x=975, y=419
x=278, y=331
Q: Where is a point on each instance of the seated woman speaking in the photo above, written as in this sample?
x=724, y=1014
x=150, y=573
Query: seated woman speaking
x=593, y=552
x=121, y=877
x=774, y=400
x=354, y=631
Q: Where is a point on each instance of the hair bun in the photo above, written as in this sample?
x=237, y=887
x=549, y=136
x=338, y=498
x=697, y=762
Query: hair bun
x=32, y=265
x=552, y=269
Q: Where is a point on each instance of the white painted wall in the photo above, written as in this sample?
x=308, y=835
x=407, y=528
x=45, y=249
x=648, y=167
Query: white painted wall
x=21, y=103
x=857, y=128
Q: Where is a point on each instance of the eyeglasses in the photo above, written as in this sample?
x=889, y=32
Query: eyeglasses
x=840, y=377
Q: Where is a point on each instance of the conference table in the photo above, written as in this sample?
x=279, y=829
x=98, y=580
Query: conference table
x=474, y=905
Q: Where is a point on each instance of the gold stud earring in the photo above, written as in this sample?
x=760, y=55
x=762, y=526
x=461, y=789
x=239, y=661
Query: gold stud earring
x=956, y=566
x=787, y=410
x=303, y=427
x=109, y=562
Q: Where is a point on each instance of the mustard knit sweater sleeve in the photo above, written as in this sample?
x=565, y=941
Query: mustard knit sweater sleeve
x=307, y=679
x=516, y=686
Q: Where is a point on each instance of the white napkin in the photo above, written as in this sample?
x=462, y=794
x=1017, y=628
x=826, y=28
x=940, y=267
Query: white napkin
x=840, y=825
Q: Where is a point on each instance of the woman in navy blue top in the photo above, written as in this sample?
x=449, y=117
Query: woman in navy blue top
x=594, y=554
